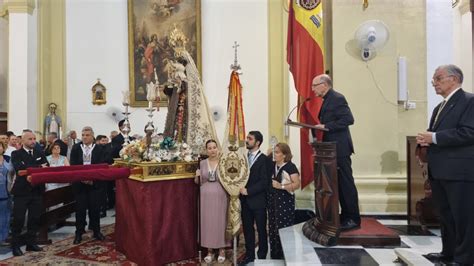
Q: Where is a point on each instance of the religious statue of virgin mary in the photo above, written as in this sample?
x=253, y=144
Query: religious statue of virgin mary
x=52, y=122
x=188, y=119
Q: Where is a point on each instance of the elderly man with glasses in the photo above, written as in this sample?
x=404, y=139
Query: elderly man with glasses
x=450, y=152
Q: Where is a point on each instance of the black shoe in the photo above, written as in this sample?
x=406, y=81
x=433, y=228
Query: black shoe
x=453, y=263
x=349, y=225
x=99, y=236
x=33, y=248
x=17, y=251
x=103, y=214
x=77, y=239
x=246, y=261
x=439, y=257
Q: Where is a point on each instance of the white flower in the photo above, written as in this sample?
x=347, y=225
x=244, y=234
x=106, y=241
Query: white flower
x=188, y=158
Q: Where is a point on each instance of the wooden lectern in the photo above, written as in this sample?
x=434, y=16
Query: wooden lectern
x=324, y=228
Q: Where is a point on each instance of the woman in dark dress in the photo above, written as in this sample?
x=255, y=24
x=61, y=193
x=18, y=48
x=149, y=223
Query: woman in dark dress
x=281, y=198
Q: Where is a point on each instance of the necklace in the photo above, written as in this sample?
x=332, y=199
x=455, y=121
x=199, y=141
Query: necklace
x=212, y=172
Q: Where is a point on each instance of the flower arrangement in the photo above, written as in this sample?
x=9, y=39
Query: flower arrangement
x=133, y=152
x=160, y=150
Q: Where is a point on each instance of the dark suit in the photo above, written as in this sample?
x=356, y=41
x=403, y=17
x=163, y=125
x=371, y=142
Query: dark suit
x=451, y=172
x=26, y=197
x=336, y=116
x=88, y=197
x=113, y=151
x=254, y=207
x=61, y=144
x=116, y=145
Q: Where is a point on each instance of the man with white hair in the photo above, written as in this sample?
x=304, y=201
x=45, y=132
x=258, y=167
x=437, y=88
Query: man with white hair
x=450, y=148
x=87, y=193
x=72, y=140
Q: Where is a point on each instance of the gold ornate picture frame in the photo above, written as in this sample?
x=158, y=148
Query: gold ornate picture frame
x=99, y=93
x=149, y=24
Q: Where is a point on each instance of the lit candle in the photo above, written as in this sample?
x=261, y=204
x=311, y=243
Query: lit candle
x=126, y=97
x=150, y=92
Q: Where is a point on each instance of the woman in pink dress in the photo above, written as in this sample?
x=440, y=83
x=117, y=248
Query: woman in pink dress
x=214, y=203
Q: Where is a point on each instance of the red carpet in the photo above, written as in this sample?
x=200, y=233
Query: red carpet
x=93, y=252
x=371, y=233
x=370, y=226
x=63, y=252
x=99, y=251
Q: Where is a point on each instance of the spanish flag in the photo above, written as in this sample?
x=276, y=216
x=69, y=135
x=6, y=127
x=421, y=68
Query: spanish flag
x=305, y=50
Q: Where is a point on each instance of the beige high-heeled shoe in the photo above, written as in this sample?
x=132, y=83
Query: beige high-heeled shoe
x=209, y=257
x=221, y=257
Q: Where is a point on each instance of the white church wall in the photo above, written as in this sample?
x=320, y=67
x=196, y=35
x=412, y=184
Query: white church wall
x=97, y=47
x=3, y=63
x=381, y=125
x=222, y=24
x=462, y=41
x=439, y=45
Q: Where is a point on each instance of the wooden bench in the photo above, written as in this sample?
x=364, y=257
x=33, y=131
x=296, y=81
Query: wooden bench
x=57, y=215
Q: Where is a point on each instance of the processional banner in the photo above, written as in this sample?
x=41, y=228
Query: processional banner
x=233, y=164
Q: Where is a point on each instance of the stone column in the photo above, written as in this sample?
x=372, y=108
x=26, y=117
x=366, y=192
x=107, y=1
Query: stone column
x=22, y=64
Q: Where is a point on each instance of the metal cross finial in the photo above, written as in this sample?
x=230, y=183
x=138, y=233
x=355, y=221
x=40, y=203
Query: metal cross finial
x=236, y=67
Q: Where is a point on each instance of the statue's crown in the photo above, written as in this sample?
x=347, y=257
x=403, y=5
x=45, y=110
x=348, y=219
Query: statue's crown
x=177, y=40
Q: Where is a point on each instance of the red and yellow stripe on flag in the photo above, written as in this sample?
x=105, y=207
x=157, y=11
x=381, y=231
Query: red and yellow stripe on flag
x=236, y=123
x=305, y=50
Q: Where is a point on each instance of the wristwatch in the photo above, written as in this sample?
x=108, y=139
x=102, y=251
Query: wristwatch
x=282, y=186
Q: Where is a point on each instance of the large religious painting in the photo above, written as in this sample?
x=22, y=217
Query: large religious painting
x=151, y=57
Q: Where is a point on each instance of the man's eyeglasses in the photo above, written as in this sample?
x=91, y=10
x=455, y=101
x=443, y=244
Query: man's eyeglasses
x=317, y=84
x=439, y=78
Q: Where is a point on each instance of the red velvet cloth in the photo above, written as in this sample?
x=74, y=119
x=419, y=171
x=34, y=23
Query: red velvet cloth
x=79, y=175
x=156, y=222
x=67, y=168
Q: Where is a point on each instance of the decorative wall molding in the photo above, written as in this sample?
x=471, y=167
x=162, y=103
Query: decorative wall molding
x=378, y=194
x=17, y=6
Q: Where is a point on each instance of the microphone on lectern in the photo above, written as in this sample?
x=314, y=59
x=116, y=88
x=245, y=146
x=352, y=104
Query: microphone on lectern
x=297, y=106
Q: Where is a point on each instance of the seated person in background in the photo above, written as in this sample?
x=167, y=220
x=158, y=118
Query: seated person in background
x=53, y=139
x=55, y=160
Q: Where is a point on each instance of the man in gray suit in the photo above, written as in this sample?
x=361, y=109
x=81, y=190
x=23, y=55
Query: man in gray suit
x=450, y=151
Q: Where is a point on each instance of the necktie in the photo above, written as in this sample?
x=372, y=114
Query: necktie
x=250, y=155
x=31, y=153
x=87, y=155
x=439, y=111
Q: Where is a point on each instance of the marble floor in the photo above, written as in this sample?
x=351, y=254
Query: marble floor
x=299, y=250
